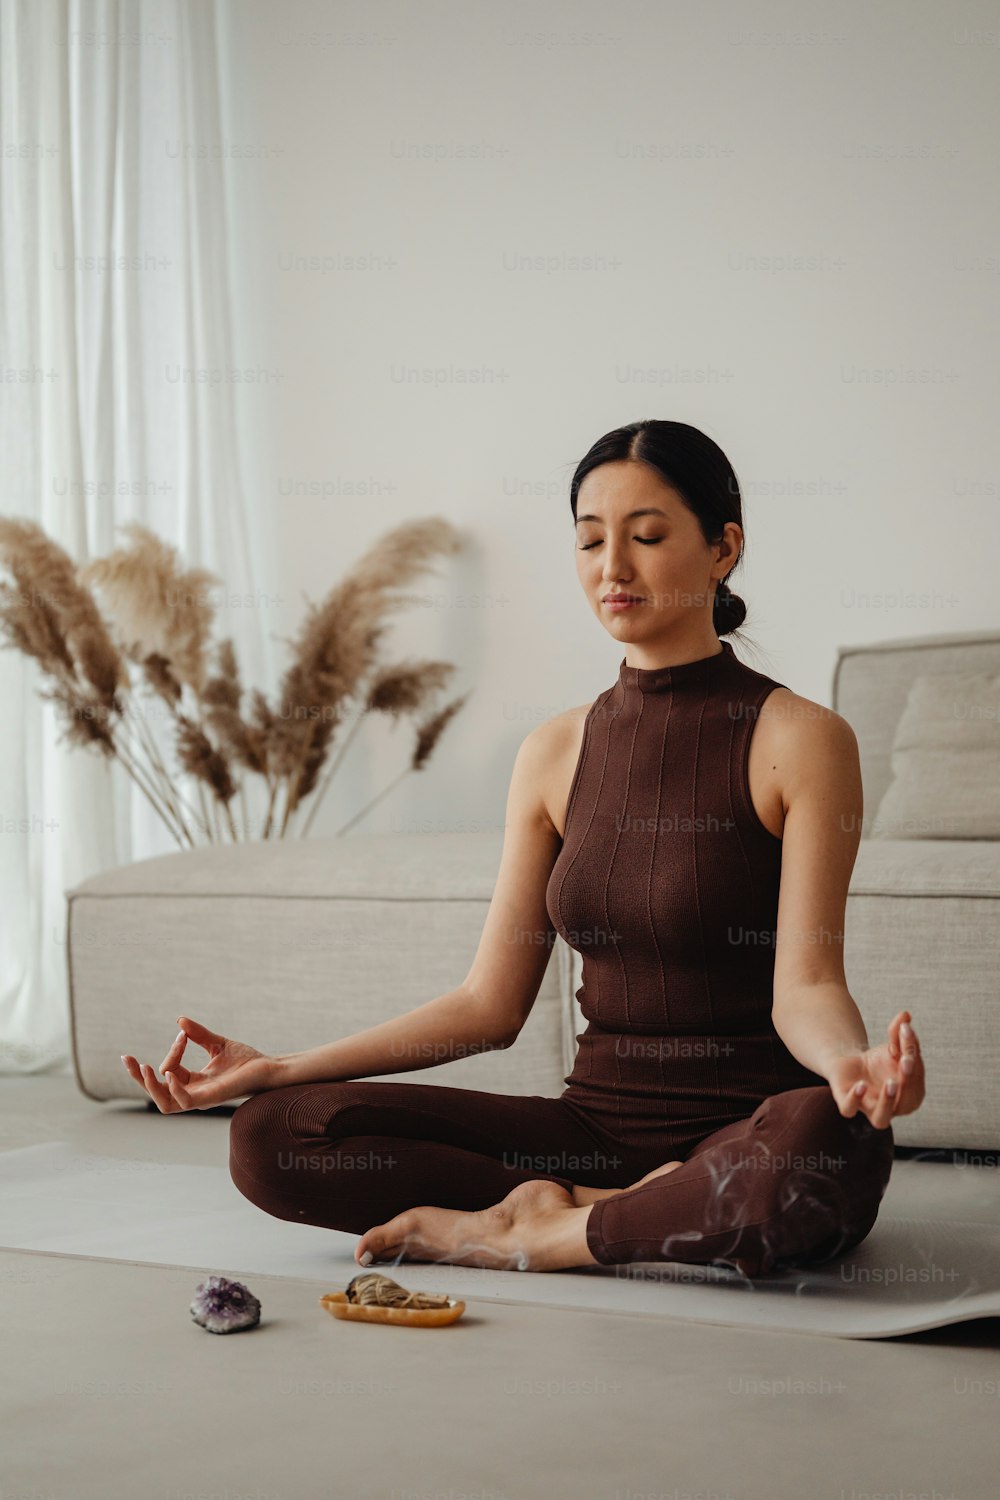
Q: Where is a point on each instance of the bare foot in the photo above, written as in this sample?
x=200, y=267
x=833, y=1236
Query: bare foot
x=537, y=1227
x=583, y=1196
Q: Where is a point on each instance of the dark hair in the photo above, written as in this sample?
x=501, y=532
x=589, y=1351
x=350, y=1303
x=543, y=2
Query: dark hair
x=702, y=475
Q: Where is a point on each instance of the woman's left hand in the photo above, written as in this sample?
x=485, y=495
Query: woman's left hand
x=881, y=1081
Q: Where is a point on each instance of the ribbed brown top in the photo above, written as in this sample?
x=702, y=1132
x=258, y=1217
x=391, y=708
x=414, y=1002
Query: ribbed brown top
x=667, y=884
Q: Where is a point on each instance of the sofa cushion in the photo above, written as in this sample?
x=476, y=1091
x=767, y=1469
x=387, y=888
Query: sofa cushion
x=945, y=761
x=934, y=868
x=288, y=945
x=871, y=683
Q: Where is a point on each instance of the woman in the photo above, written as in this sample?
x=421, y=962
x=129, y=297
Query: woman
x=692, y=833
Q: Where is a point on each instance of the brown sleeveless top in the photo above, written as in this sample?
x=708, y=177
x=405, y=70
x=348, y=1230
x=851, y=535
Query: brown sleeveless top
x=667, y=884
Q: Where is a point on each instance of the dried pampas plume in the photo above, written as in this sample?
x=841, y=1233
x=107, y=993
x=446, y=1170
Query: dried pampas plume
x=245, y=743
x=335, y=650
x=158, y=617
x=156, y=607
x=52, y=616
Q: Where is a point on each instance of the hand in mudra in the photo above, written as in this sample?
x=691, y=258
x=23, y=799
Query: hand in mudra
x=233, y=1069
x=881, y=1081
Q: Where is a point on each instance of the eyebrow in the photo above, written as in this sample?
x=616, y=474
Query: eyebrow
x=649, y=511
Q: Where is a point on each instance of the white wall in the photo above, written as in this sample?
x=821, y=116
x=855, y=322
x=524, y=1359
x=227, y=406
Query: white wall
x=699, y=150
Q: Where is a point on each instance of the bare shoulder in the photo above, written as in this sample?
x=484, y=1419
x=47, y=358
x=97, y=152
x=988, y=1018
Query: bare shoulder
x=800, y=740
x=550, y=753
x=568, y=723
x=791, y=717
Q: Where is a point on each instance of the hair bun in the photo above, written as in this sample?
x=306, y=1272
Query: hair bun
x=728, y=611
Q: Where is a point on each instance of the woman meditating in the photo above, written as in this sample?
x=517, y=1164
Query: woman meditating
x=692, y=834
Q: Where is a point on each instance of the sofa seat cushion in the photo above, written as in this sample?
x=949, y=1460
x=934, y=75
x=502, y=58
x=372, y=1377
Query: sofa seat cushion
x=927, y=867
x=288, y=945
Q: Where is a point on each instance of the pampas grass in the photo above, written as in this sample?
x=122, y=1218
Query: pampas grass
x=138, y=620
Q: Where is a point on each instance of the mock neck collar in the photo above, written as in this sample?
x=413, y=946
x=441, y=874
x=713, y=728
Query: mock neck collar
x=664, y=679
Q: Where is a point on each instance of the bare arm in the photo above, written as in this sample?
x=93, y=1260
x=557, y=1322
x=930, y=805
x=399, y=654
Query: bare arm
x=490, y=1006
x=814, y=1012
x=452, y=1025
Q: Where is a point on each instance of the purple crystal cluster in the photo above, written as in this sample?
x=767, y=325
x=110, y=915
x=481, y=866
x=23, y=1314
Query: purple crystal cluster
x=224, y=1306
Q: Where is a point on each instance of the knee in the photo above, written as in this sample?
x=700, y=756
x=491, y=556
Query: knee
x=279, y=1140
x=254, y=1121
x=831, y=1171
x=806, y=1125
x=258, y=1137
x=284, y=1117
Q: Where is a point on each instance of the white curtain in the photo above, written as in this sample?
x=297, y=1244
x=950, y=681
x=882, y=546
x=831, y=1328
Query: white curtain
x=117, y=403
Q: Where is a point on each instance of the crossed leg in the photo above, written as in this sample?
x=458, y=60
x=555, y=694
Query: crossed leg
x=359, y=1154
x=794, y=1183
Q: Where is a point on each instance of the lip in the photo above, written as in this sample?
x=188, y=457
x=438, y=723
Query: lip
x=621, y=601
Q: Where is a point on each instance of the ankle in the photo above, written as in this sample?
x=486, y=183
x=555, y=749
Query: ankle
x=586, y=1197
x=562, y=1241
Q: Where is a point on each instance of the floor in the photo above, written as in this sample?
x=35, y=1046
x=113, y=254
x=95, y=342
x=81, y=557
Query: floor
x=110, y=1390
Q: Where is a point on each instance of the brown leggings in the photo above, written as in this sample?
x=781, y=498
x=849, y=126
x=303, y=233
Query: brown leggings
x=795, y=1183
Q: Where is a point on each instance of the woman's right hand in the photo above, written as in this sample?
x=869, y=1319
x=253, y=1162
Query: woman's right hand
x=233, y=1069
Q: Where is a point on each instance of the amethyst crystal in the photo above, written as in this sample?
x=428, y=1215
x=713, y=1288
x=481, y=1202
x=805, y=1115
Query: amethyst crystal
x=224, y=1306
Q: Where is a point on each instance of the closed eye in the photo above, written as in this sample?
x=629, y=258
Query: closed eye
x=647, y=541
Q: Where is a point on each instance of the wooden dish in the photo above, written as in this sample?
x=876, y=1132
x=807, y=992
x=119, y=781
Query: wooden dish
x=337, y=1304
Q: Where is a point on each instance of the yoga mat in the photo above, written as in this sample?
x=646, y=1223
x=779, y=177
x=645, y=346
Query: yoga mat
x=910, y=1274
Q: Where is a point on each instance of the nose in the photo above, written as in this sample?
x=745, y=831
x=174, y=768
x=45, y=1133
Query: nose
x=616, y=570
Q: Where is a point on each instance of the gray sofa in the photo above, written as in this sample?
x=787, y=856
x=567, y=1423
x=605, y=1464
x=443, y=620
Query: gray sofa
x=287, y=945
x=923, y=915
